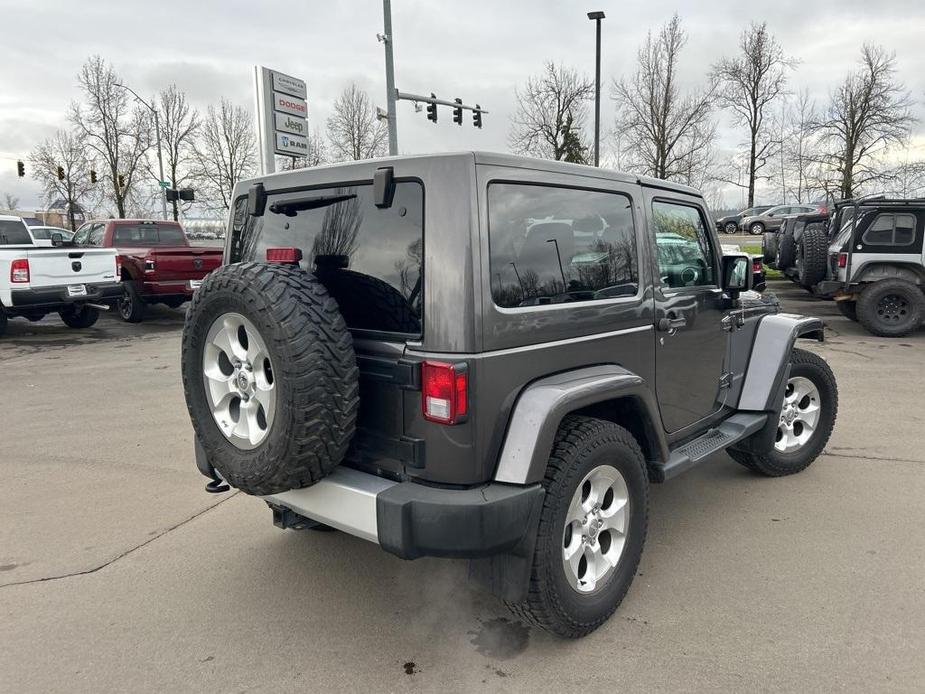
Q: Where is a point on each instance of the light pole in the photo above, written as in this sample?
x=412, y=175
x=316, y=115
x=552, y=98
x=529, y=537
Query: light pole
x=597, y=17
x=390, y=94
x=157, y=132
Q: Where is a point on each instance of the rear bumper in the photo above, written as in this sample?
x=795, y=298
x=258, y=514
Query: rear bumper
x=412, y=520
x=833, y=289
x=56, y=297
x=168, y=288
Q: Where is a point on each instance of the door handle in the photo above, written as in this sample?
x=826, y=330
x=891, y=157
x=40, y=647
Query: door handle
x=670, y=324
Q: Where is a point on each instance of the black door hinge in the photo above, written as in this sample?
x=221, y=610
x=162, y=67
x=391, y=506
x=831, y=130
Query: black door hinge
x=725, y=381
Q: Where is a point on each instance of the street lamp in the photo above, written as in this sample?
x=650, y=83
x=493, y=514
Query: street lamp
x=596, y=17
x=157, y=132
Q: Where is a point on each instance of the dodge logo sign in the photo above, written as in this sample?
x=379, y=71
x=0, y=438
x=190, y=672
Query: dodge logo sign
x=197, y=263
x=75, y=266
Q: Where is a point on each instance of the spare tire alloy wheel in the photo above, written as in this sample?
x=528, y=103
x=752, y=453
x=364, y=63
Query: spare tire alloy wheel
x=238, y=376
x=595, y=528
x=799, y=416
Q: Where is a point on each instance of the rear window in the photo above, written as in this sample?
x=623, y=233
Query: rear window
x=148, y=235
x=369, y=259
x=14, y=233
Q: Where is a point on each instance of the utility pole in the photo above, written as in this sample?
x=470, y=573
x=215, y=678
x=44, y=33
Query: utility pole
x=596, y=17
x=390, y=92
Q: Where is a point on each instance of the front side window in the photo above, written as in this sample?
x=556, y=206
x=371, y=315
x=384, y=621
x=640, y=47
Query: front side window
x=553, y=245
x=685, y=256
x=890, y=230
x=369, y=259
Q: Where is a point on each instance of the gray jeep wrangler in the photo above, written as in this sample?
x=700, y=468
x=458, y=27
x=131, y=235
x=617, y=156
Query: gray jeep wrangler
x=489, y=357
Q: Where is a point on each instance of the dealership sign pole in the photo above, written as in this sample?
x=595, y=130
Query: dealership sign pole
x=282, y=111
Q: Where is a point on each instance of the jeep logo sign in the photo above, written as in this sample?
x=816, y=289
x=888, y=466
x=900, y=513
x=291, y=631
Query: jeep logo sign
x=289, y=104
x=290, y=124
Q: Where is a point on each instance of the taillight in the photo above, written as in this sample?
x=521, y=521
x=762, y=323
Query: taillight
x=19, y=270
x=284, y=255
x=756, y=266
x=842, y=260
x=444, y=392
x=118, y=266
x=149, y=264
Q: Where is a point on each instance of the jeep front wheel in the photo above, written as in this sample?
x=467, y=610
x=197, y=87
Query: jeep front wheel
x=805, y=422
x=891, y=307
x=592, y=528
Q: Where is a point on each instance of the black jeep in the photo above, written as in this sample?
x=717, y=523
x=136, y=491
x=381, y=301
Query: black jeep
x=490, y=357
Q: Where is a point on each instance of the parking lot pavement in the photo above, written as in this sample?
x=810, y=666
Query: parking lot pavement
x=119, y=573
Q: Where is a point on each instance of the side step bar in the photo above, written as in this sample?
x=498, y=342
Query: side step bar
x=737, y=427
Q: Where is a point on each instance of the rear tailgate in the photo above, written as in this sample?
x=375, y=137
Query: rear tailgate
x=54, y=267
x=184, y=262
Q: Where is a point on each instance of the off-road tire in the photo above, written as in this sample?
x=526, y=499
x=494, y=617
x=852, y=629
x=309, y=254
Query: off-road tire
x=849, y=309
x=768, y=247
x=131, y=306
x=814, y=254
x=868, y=307
x=82, y=317
x=369, y=302
x=314, y=372
x=581, y=444
x=777, y=464
x=756, y=228
x=786, y=251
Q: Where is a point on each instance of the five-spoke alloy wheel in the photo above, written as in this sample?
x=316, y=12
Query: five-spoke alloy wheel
x=238, y=376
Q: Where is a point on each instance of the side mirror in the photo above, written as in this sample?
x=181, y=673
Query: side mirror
x=737, y=274
x=57, y=239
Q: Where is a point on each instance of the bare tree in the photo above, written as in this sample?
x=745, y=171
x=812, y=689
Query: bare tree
x=353, y=129
x=67, y=150
x=179, y=125
x=10, y=201
x=664, y=133
x=115, y=131
x=866, y=114
x=550, y=116
x=907, y=178
x=749, y=85
x=799, y=149
x=224, y=152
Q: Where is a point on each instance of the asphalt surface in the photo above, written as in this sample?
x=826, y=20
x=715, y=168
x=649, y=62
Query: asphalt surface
x=119, y=573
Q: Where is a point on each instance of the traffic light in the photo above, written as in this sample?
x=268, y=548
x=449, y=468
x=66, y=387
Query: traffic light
x=121, y=182
x=92, y=176
x=187, y=194
x=457, y=112
x=477, y=116
x=432, y=108
x=60, y=173
x=20, y=169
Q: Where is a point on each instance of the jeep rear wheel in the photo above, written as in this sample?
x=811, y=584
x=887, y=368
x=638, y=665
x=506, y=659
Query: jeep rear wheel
x=805, y=422
x=270, y=377
x=813, y=252
x=891, y=307
x=592, y=528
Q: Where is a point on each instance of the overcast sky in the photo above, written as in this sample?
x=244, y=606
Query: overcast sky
x=477, y=50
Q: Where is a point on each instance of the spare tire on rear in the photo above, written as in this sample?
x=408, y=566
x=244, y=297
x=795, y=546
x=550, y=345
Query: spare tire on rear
x=270, y=376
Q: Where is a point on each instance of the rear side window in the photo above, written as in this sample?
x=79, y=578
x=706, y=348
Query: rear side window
x=890, y=230
x=369, y=259
x=14, y=233
x=146, y=235
x=552, y=245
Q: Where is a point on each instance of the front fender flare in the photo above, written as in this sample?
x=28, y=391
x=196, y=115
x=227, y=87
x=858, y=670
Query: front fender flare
x=542, y=405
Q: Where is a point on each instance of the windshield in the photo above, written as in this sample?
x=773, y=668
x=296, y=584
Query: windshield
x=148, y=234
x=14, y=233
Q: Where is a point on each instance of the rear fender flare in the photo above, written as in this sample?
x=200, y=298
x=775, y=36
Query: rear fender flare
x=542, y=405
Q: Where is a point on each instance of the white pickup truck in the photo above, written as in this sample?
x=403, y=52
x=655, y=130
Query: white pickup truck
x=34, y=281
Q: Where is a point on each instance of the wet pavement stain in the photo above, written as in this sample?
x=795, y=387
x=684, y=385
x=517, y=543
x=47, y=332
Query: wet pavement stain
x=410, y=668
x=500, y=638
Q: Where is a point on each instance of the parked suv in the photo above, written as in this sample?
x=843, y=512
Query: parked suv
x=876, y=269
x=730, y=223
x=158, y=263
x=770, y=220
x=489, y=357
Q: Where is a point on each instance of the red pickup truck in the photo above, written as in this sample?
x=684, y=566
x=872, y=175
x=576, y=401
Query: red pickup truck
x=158, y=263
